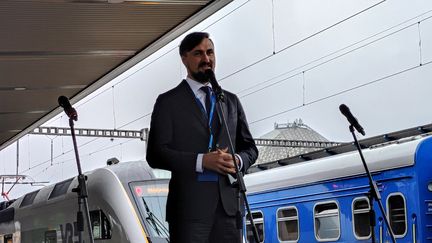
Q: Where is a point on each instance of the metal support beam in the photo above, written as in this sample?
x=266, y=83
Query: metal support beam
x=91, y=132
x=16, y=180
x=36, y=183
x=294, y=143
x=13, y=177
x=143, y=134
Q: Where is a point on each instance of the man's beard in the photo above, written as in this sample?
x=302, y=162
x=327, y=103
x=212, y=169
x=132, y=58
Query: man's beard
x=200, y=77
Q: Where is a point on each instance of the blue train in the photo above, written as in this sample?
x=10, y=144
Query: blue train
x=326, y=199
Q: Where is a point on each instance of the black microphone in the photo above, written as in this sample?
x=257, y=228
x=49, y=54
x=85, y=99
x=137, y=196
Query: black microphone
x=69, y=110
x=64, y=102
x=211, y=76
x=351, y=119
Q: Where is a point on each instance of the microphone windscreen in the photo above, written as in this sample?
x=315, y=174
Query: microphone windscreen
x=64, y=102
x=344, y=109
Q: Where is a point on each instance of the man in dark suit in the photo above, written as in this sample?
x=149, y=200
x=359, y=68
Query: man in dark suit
x=187, y=138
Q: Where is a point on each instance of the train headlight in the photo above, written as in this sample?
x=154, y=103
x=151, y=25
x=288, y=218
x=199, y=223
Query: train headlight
x=430, y=186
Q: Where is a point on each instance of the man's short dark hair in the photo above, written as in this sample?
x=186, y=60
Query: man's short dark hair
x=191, y=41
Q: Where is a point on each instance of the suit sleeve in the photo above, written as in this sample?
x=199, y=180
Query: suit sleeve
x=245, y=144
x=160, y=153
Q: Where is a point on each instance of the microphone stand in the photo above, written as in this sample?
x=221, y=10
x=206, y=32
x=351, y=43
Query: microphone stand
x=81, y=189
x=241, y=188
x=373, y=194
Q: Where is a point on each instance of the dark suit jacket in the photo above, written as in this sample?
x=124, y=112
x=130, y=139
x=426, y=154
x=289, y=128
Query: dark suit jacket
x=178, y=133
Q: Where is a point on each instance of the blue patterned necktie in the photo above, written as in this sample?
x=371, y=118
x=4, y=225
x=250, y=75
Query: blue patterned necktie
x=207, y=90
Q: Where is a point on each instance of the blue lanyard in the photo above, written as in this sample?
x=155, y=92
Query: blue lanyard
x=210, y=118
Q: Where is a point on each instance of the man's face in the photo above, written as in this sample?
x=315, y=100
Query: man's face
x=200, y=58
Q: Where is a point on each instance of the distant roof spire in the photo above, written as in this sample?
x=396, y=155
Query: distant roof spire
x=297, y=123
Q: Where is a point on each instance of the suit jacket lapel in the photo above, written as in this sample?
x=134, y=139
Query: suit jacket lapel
x=190, y=101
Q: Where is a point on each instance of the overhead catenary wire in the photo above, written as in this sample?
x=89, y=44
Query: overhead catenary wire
x=341, y=92
x=329, y=60
x=342, y=49
x=352, y=88
x=104, y=148
x=227, y=14
x=136, y=119
x=300, y=41
x=47, y=161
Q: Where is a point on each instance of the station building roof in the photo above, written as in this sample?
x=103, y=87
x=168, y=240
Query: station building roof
x=295, y=131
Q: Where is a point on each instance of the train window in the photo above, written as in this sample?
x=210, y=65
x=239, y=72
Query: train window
x=100, y=224
x=287, y=224
x=50, y=236
x=60, y=188
x=361, y=218
x=396, y=211
x=326, y=221
x=7, y=215
x=28, y=199
x=151, y=197
x=258, y=219
x=8, y=238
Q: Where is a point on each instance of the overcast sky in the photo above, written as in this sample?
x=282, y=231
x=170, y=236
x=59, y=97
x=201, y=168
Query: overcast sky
x=285, y=60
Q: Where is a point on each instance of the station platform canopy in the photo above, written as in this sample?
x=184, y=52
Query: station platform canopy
x=50, y=48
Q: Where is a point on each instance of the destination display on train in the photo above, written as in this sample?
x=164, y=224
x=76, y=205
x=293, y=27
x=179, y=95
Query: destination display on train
x=155, y=188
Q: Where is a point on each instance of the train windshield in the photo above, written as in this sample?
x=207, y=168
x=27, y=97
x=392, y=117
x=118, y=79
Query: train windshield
x=151, y=198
